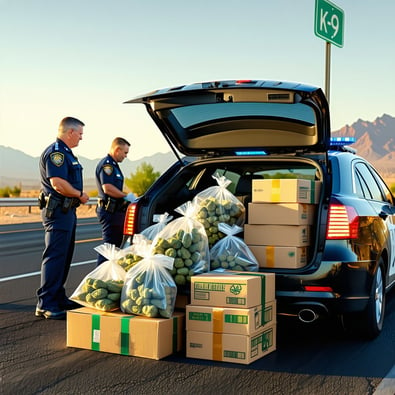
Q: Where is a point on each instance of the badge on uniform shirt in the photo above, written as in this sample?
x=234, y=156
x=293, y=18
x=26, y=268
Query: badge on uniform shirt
x=108, y=169
x=57, y=158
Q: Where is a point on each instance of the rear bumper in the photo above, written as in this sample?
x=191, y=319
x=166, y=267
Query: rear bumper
x=291, y=304
x=350, y=288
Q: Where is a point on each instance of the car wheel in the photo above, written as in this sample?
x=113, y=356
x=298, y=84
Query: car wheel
x=374, y=315
x=370, y=322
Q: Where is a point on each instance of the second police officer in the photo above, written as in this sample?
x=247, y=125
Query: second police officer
x=112, y=201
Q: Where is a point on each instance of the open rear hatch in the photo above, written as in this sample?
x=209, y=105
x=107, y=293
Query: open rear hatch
x=226, y=118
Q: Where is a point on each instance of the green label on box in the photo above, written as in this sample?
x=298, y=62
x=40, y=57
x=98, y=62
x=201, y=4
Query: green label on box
x=268, y=315
x=236, y=301
x=303, y=193
x=312, y=188
x=95, y=335
x=207, y=286
x=234, y=288
x=198, y=316
x=200, y=295
x=234, y=354
x=265, y=340
x=196, y=345
x=236, y=319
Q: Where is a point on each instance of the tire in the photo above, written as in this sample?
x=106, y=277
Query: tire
x=374, y=315
x=370, y=322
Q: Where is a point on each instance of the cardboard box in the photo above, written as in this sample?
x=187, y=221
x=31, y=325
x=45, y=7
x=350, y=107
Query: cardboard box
x=277, y=235
x=125, y=334
x=230, y=320
x=279, y=257
x=232, y=289
x=285, y=190
x=230, y=347
x=281, y=213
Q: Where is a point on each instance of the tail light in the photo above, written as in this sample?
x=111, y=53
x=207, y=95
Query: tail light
x=343, y=222
x=317, y=288
x=129, y=224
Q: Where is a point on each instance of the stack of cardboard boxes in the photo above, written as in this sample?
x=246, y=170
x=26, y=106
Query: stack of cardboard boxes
x=279, y=220
x=231, y=317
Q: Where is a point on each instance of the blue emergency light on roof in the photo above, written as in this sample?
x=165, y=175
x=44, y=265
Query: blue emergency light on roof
x=342, y=140
x=250, y=153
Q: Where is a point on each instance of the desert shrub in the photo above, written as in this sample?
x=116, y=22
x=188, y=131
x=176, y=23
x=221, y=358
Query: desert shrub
x=10, y=192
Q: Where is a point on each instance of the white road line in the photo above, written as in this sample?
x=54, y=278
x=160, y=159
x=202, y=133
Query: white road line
x=25, y=275
x=387, y=385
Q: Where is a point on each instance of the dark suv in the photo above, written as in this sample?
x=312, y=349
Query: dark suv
x=249, y=129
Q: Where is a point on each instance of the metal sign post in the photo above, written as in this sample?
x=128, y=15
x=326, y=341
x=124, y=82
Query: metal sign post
x=327, y=69
x=329, y=23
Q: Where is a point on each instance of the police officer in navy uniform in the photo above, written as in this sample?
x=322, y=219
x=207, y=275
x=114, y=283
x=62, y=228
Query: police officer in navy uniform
x=61, y=193
x=112, y=201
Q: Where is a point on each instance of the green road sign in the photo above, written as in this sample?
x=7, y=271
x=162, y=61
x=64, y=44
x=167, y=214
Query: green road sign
x=329, y=22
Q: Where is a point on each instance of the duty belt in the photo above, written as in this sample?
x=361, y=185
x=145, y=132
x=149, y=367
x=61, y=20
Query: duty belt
x=112, y=205
x=50, y=203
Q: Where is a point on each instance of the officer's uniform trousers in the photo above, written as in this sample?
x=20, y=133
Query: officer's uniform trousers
x=57, y=257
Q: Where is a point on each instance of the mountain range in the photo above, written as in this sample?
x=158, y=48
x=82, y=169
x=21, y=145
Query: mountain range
x=375, y=141
x=20, y=169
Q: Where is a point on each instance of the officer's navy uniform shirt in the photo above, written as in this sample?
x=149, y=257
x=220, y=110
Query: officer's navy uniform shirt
x=108, y=172
x=59, y=161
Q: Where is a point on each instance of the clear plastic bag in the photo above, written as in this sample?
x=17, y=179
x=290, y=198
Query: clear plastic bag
x=134, y=253
x=101, y=288
x=185, y=240
x=231, y=252
x=161, y=221
x=149, y=288
x=217, y=204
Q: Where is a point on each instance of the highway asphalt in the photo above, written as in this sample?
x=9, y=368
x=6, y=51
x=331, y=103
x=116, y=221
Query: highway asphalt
x=315, y=359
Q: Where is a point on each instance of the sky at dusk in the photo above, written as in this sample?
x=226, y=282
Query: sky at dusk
x=84, y=58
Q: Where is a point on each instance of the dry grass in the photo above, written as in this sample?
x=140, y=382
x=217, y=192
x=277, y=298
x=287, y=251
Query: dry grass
x=18, y=215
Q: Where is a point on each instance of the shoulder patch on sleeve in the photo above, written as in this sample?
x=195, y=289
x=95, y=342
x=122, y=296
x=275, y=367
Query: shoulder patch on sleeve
x=57, y=158
x=108, y=169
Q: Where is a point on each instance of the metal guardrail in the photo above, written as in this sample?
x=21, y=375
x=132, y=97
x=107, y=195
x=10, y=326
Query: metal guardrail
x=31, y=202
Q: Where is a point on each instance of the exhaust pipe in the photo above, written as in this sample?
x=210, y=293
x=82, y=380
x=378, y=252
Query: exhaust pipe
x=307, y=316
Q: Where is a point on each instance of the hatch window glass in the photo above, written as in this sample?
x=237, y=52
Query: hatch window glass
x=188, y=116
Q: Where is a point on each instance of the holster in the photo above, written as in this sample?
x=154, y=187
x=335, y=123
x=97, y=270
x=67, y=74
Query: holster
x=50, y=205
x=41, y=200
x=68, y=203
x=112, y=205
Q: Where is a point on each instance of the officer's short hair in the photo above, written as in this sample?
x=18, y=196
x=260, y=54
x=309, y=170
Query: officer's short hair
x=69, y=123
x=119, y=141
